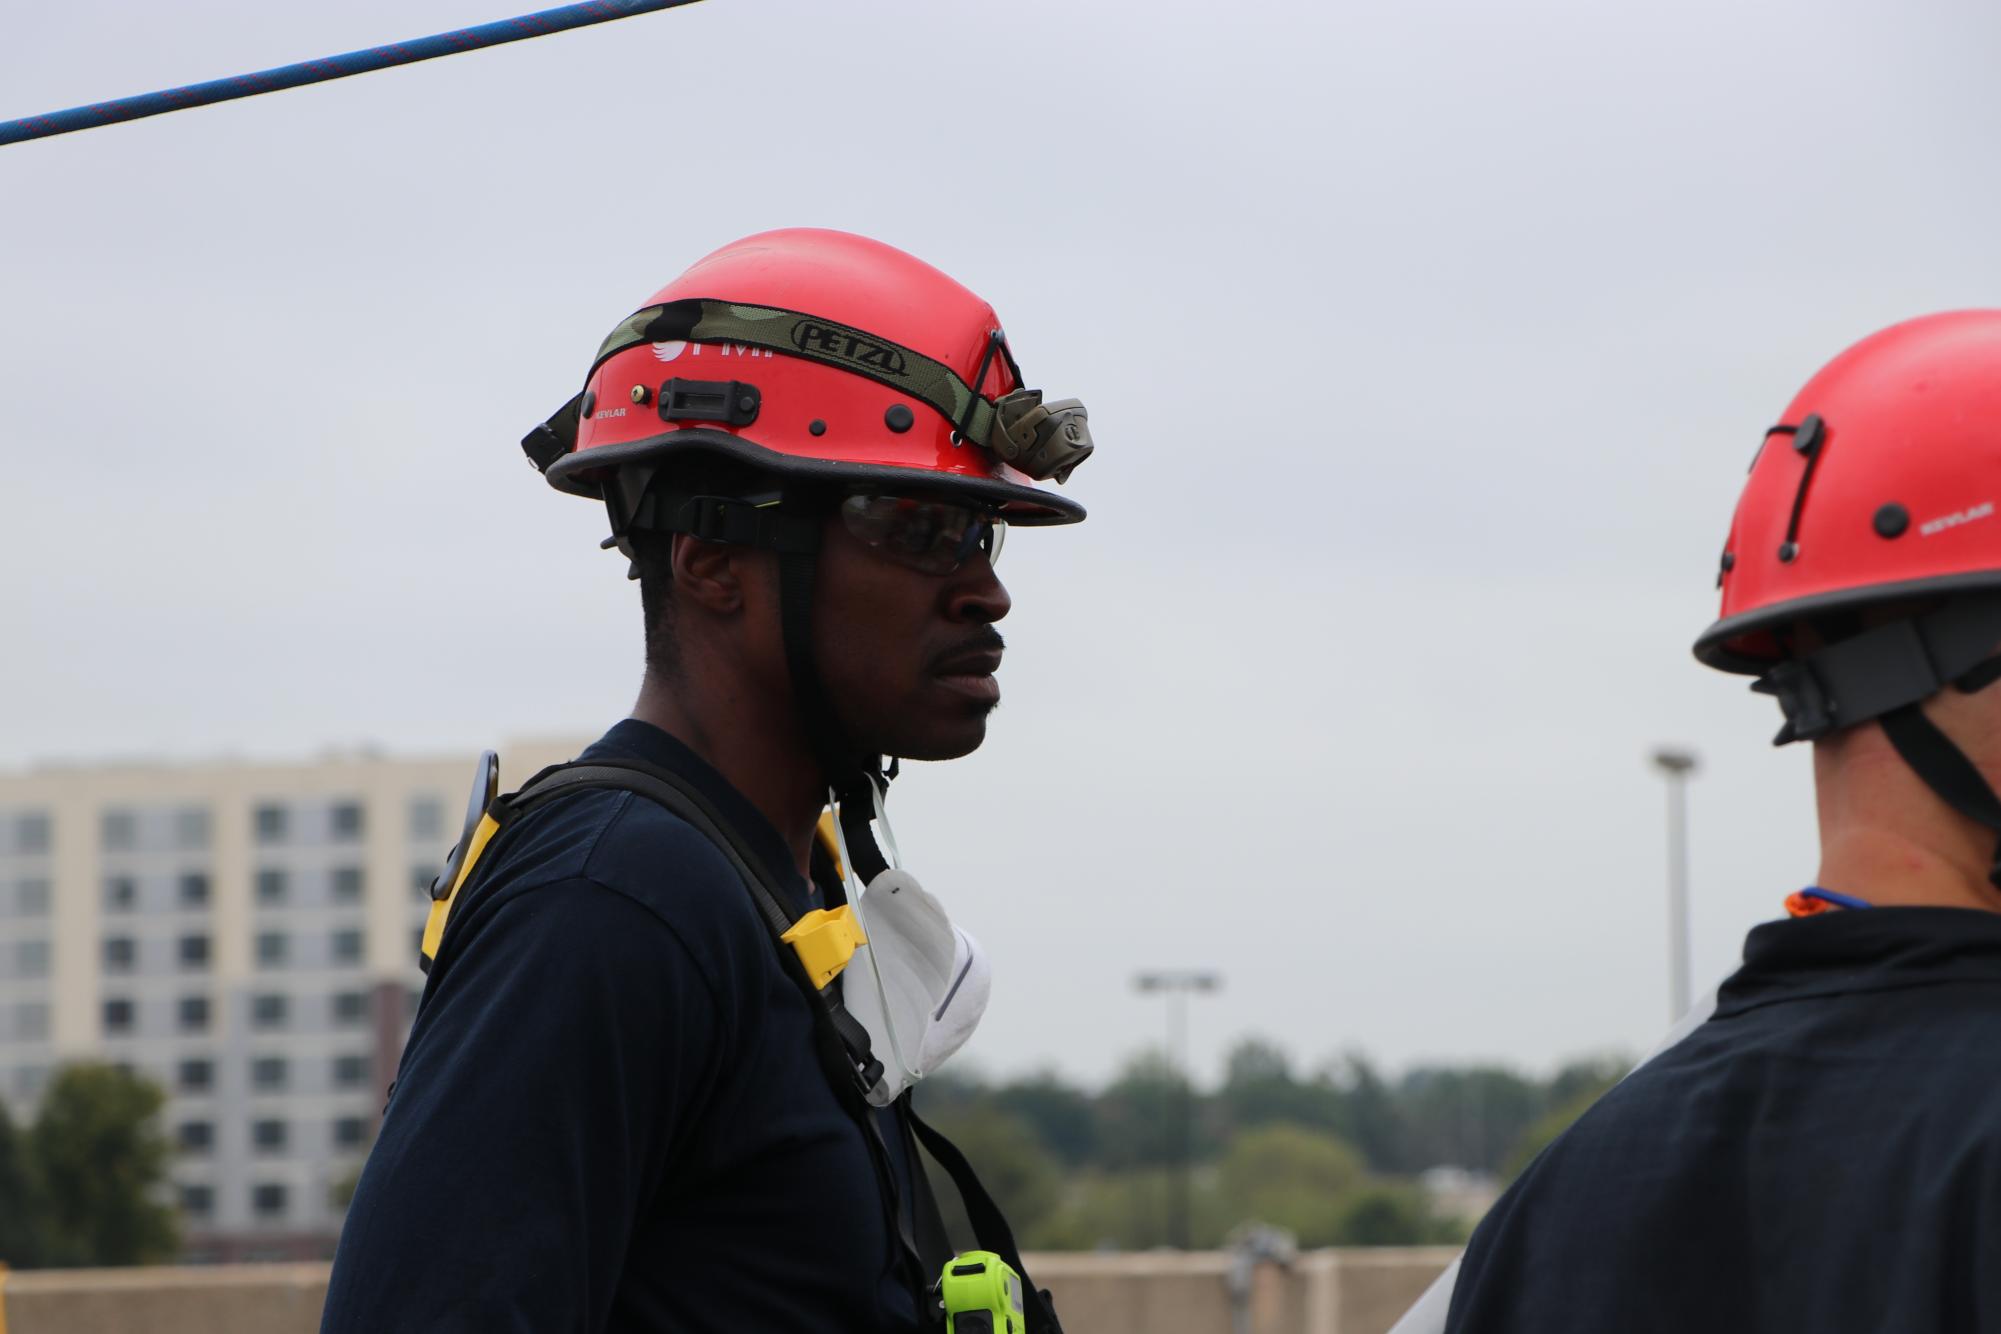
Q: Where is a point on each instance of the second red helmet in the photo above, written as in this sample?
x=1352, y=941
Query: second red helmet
x=1879, y=485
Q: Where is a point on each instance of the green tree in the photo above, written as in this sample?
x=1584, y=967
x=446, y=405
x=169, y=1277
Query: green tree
x=1259, y=1088
x=1370, y=1118
x=1462, y=1116
x=1138, y=1115
x=101, y=1158
x=21, y=1205
x=1016, y=1170
x=1388, y=1213
x=1296, y=1178
x=1060, y=1114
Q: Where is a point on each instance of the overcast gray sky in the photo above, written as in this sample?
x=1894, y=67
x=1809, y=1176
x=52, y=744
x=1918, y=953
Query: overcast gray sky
x=1425, y=345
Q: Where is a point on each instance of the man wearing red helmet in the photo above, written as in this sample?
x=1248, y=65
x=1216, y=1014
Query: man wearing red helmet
x=1824, y=1151
x=659, y=1079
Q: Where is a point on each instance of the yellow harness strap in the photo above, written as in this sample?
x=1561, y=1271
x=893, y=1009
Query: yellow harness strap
x=824, y=939
x=434, y=926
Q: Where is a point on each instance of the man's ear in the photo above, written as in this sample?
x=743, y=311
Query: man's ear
x=708, y=574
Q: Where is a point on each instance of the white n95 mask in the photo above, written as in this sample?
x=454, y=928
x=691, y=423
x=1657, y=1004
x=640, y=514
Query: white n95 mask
x=919, y=986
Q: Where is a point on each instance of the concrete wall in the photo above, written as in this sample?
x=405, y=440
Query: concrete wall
x=1324, y=1292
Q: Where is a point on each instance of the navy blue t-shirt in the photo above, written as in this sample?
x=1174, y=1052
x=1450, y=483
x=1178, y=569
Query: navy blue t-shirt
x=1823, y=1154
x=610, y=1115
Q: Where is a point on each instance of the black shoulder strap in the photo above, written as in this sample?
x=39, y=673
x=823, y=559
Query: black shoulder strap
x=840, y=1041
x=989, y=1225
x=666, y=790
x=843, y=1043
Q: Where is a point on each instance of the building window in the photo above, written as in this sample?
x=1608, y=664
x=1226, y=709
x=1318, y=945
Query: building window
x=29, y=1081
x=268, y=1136
x=420, y=882
x=195, y=1136
x=350, y=1071
x=192, y=1013
x=119, y=830
x=196, y=1076
x=31, y=1021
x=121, y=893
x=268, y=1072
x=271, y=886
x=31, y=958
x=273, y=948
x=269, y=1200
x=347, y=947
x=269, y=823
x=347, y=822
x=193, y=952
x=197, y=1201
x=118, y=1016
x=350, y=1132
x=191, y=828
x=31, y=897
x=350, y=1007
x=427, y=819
x=31, y=834
x=193, y=889
x=347, y=884
x=269, y=1010
x=120, y=954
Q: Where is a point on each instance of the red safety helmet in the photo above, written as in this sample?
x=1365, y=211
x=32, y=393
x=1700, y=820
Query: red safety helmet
x=819, y=357
x=1870, y=516
x=812, y=365
x=1879, y=486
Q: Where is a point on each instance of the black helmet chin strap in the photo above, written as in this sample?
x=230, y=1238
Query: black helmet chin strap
x=1886, y=674
x=791, y=526
x=855, y=777
x=1946, y=771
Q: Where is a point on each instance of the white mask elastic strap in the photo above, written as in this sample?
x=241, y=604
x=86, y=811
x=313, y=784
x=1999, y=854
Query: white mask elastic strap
x=855, y=891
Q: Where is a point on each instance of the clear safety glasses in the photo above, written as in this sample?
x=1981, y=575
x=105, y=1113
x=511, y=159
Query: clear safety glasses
x=934, y=536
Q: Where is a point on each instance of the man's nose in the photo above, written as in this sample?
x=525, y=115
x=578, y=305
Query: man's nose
x=976, y=594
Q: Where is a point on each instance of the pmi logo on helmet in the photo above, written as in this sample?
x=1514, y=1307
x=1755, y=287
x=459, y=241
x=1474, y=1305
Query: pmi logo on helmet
x=828, y=340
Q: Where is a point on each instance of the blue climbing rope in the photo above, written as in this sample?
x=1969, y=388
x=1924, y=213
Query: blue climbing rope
x=332, y=67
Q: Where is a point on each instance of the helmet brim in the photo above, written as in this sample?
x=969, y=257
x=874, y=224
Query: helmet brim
x=1744, y=643
x=1026, y=506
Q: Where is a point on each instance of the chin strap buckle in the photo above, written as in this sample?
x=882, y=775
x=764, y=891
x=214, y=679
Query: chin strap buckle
x=1809, y=712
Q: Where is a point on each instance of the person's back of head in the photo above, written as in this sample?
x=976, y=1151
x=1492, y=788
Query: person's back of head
x=1861, y=584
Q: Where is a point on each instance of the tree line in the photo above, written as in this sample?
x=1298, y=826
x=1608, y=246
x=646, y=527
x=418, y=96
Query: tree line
x=1332, y=1154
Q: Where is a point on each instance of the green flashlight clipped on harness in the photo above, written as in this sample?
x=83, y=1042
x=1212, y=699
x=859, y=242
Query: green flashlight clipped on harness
x=981, y=1294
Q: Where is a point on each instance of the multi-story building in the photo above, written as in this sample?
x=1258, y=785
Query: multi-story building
x=246, y=936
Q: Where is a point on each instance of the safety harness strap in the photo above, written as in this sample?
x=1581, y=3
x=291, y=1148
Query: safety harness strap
x=989, y=1224
x=789, y=331
x=934, y=1243
x=858, y=1066
x=841, y=1042
x=1870, y=674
